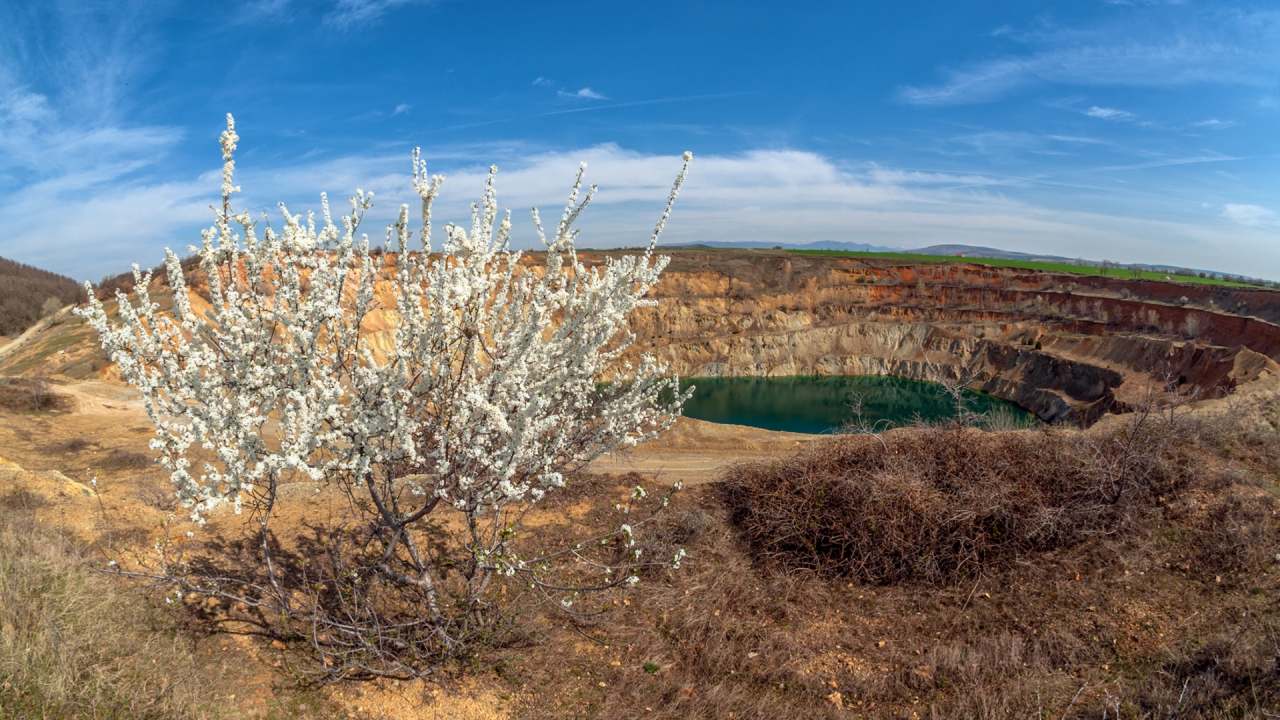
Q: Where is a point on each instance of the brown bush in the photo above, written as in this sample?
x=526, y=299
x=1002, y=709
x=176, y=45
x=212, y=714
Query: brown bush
x=1231, y=674
x=118, y=459
x=936, y=505
x=73, y=445
x=29, y=394
x=1237, y=531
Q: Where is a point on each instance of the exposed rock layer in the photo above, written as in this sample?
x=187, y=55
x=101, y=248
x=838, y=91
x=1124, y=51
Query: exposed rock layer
x=1067, y=347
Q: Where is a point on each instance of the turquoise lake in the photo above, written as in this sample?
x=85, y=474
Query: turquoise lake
x=826, y=403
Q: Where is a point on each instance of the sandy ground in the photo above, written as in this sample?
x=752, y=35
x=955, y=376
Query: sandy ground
x=695, y=451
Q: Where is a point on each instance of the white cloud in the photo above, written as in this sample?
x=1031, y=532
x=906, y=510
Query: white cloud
x=256, y=10
x=765, y=195
x=1077, y=139
x=773, y=196
x=544, y=82
x=347, y=13
x=585, y=92
x=1215, y=124
x=1217, y=47
x=401, y=108
x=1109, y=113
x=1248, y=215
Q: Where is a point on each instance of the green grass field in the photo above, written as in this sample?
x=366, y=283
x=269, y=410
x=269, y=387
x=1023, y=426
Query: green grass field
x=1025, y=265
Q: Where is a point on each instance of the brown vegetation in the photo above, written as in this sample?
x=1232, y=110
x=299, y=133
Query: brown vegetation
x=1161, y=606
x=1128, y=570
x=29, y=394
x=940, y=505
x=1015, y=602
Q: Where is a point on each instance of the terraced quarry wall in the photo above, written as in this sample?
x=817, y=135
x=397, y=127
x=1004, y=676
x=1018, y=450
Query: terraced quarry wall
x=1067, y=347
x=1101, y=340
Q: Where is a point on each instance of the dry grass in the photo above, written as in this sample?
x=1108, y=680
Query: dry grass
x=73, y=644
x=942, y=504
x=1128, y=573
x=1154, y=604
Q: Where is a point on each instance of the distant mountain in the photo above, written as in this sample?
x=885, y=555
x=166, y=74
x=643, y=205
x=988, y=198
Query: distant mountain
x=985, y=252
x=969, y=251
x=820, y=245
x=993, y=253
x=25, y=289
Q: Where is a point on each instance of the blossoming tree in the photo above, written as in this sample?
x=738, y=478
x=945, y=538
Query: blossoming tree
x=500, y=378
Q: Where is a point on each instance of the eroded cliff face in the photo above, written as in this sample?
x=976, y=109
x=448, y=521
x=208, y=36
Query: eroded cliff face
x=1065, y=347
x=1069, y=348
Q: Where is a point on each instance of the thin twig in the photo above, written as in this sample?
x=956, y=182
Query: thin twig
x=1073, y=701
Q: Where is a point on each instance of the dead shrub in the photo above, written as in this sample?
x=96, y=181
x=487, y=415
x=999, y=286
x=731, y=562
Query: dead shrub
x=674, y=531
x=118, y=459
x=937, y=505
x=29, y=394
x=158, y=496
x=74, y=445
x=1231, y=674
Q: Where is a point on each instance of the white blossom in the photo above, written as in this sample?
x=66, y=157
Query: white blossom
x=489, y=381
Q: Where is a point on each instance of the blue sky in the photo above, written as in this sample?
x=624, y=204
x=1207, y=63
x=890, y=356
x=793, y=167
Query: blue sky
x=1134, y=131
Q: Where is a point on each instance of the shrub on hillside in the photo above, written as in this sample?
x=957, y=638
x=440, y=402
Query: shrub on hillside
x=28, y=394
x=489, y=393
x=939, y=504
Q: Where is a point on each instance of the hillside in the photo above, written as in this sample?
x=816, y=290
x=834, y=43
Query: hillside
x=990, y=255
x=25, y=289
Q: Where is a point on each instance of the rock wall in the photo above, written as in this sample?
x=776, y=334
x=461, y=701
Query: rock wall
x=1067, y=350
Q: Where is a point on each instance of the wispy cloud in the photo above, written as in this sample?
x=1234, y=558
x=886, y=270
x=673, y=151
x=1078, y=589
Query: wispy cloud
x=258, y=9
x=584, y=93
x=594, y=108
x=1137, y=3
x=1109, y=113
x=773, y=195
x=770, y=195
x=1078, y=139
x=401, y=108
x=1215, y=124
x=72, y=170
x=1222, y=47
x=1248, y=215
x=544, y=82
x=348, y=13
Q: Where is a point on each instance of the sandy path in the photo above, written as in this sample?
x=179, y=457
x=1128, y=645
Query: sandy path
x=695, y=451
x=35, y=330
